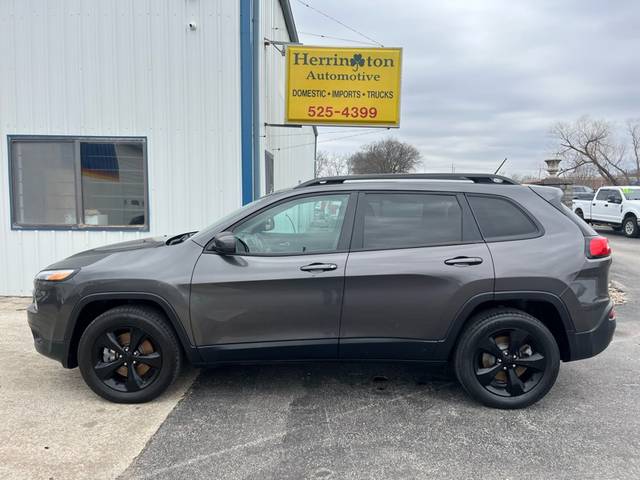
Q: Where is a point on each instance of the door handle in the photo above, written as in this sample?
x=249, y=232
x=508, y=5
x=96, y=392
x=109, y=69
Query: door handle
x=593, y=204
x=463, y=261
x=319, y=267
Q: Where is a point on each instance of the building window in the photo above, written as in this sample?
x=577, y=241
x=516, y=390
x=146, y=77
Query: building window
x=78, y=182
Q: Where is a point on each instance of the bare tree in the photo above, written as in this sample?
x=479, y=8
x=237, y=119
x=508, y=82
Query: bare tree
x=590, y=144
x=385, y=156
x=330, y=165
x=633, y=128
x=520, y=178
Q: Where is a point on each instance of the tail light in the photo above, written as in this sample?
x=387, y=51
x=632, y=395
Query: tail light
x=598, y=247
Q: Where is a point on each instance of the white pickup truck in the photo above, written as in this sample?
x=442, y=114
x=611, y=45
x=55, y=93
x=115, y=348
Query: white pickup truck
x=618, y=207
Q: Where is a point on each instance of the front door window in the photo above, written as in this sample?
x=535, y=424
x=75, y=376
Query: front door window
x=303, y=225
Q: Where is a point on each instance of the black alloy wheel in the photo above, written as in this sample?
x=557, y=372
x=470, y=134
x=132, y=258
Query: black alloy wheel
x=126, y=359
x=508, y=363
x=506, y=358
x=129, y=354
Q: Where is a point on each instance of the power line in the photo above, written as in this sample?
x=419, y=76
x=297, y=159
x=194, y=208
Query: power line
x=337, y=38
x=333, y=132
x=327, y=141
x=339, y=22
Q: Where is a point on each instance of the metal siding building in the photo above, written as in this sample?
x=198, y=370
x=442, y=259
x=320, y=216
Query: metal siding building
x=95, y=68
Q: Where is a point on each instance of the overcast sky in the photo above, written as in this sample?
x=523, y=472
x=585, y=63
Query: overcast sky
x=484, y=80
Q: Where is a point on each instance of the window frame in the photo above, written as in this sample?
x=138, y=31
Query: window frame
x=469, y=230
x=607, y=192
x=76, y=140
x=508, y=238
x=345, y=233
x=618, y=194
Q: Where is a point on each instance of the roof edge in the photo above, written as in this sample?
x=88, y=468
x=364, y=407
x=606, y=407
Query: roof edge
x=289, y=21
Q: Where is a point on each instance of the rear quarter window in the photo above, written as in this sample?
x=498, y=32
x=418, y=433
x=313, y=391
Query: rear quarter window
x=501, y=219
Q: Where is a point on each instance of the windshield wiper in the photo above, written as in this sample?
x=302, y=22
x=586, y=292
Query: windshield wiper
x=180, y=238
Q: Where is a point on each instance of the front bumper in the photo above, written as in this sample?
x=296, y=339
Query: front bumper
x=590, y=343
x=43, y=331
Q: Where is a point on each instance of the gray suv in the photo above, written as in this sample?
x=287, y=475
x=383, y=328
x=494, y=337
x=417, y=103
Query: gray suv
x=498, y=279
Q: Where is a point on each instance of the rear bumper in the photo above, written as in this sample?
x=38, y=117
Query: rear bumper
x=589, y=344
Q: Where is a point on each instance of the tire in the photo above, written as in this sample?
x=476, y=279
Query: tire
x=490, y=378
x=119, y=373
x=580, y=214
x=630, y=226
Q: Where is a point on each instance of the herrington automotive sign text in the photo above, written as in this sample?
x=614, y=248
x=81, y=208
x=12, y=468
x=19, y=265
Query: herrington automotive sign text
x=343, y=86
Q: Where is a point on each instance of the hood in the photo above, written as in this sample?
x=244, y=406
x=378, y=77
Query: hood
x=88, y=257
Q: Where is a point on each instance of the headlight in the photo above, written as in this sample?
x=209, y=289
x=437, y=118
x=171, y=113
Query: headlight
x=55, y=275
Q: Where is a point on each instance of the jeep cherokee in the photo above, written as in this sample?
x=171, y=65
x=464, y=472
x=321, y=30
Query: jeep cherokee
x=498, y=279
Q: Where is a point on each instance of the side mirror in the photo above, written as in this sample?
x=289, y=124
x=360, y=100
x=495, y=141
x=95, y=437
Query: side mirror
x=268, y=224
x=224, y=243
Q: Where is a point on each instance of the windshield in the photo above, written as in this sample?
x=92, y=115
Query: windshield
x=631, y=193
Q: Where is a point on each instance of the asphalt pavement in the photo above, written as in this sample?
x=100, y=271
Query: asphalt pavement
x=385, y=421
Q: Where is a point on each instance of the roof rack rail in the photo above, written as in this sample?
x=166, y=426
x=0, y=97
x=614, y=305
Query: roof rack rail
x=468, y=177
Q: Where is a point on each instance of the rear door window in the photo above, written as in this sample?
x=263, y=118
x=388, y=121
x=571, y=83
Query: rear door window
x=603, y=195
x=405, y=220
x=501, y=219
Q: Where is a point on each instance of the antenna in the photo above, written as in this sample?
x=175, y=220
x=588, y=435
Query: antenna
x=498, y=169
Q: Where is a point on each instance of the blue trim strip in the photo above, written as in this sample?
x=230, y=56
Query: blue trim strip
x=246, y=98
x=257, y=127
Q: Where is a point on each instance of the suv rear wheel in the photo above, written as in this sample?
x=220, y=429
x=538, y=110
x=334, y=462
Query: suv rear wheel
x=506, y=359
x=129, y=354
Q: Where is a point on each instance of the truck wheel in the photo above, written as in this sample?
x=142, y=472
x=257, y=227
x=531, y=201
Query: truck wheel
x=580, y=214
x=630, y=226
x=129, y=354
x=506, y=359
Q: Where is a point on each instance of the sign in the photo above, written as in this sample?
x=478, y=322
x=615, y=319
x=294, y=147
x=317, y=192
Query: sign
x=343, y=86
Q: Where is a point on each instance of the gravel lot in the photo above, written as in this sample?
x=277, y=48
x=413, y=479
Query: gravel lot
x=327, y=421
x=51, y=425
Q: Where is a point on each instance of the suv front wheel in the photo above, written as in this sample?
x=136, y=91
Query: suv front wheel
x=506, y=359
x=129, y=354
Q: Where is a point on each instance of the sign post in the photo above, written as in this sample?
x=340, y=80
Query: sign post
x=343, y=86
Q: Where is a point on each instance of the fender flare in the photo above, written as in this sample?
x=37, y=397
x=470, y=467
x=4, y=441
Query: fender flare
x=455, y=329
x=189, y=349
x=631, y=211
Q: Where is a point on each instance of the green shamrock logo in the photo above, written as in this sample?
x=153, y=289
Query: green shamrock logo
x=357, y=61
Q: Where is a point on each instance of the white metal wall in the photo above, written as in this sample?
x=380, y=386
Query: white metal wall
x=293, y=148
x=124, y=68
